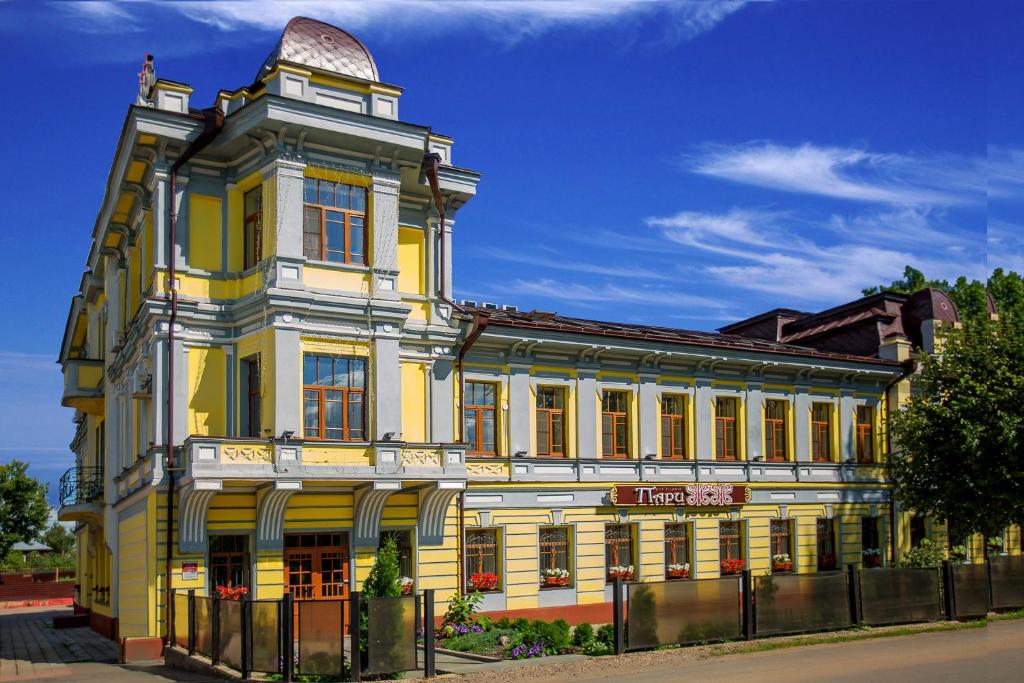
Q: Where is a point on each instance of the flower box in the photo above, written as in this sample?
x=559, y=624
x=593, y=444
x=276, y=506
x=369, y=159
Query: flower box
x=730, y=567
x=231, y=592
x=827, y=561
x=677, y=573
x=782, y=566
x=624, y=572
x=484, y=582
x=556, y=580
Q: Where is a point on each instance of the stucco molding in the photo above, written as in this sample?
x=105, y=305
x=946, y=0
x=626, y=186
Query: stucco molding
x=194, y=504
x=434, y=503
x=271, y=502
x=370, y=502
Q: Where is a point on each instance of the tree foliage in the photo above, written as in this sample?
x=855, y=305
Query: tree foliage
x=23, y=507
x=1007, y=290
x=60, y=540
x=958, y=439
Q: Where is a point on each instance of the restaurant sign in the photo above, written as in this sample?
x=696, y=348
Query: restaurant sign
x=693, y=495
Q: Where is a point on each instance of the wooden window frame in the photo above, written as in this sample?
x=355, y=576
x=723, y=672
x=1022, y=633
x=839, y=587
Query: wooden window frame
x=618, y=419
x=546, y=416
x=478, y=411
x=724, y=541
x=548, y=550
x=865, y=436
x=726, y=429
x=821, y=551
x=253, y=396
x=774, y=536
x=672, y=542
x=227, y=560
x=347, y=392
x=252, y=246
x=348, y=214
x=821, y=433
x=670, y=449
x=614, y=544
x=773, y=428
x=475, y=554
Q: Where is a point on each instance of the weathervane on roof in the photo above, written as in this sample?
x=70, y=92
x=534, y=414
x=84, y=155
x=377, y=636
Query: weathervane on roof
x=147, y=79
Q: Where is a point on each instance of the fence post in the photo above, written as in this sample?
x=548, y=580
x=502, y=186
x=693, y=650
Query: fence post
x=191, y=621
x=429, y=656
x=215, y=636
x=747, y=587
x=854, y=591
x=948, y=590
x=246, y=636
x=286, y=627
x=617, y=617
x=355, y=633
x=988, y=574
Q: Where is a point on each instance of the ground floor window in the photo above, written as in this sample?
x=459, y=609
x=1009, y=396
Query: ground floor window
x=677, y=551
x=554, y=556
x=482, y=567
x=826, y=543
x=781, y=532
x=229, y=561
x=870, y=542
x=406, y=559
x=619, y=551
x=730, y=546
x=918, y=532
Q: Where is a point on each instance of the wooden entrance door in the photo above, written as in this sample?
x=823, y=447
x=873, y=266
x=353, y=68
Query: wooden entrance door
x=316, y=567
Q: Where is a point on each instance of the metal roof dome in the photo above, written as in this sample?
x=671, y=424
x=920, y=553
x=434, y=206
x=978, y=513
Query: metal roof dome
x=321, y=46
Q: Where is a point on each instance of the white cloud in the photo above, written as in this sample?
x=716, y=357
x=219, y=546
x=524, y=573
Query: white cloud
x=563, y=262
x=1005, y=245
x=507, y=20
x=591, y=294
x=1005, y=169
x=847, y=173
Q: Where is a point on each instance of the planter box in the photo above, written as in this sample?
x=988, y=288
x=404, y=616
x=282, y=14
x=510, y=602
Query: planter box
x=677, y=573
x=552, y=581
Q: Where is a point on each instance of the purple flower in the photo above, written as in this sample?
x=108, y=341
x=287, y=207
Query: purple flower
x=477, y=628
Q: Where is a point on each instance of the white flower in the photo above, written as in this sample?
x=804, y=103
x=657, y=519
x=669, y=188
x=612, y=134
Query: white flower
x=685, y=567
x=872, y=552
x=404, y=581
x=557, y=573
x=781, y=558
x=621, y=569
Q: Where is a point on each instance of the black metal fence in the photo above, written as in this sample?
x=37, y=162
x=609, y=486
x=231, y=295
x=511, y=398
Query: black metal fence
x=680, y=612
x=309, y=638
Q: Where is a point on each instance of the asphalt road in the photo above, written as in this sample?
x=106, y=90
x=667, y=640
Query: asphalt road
x=993, y=654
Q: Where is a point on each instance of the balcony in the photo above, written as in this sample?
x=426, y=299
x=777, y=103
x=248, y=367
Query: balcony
x=81, y=495
x=83, y=385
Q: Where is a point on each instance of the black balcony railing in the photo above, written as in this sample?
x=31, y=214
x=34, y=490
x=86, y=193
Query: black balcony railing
x=81, y=485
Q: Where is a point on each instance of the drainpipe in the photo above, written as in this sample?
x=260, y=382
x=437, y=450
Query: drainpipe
x=480, y=322
x=431, y=165
x=909, y=366
x=213, y=122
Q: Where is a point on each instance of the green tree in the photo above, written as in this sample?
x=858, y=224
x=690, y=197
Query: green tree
x=1006, y=289
x=383, y=582
x=23, y=507
x=959, y=452
x=60, y=540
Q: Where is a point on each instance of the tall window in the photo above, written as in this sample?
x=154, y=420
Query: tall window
x=615, y=424
x=870, y=536
x=827, y=550
x=251, y=396
x=673, y=432
x=333, y=389
x=730, y=546
x=775, y=430
x=781, y=539
x=482, y=559
x=229, y=561
x=821, y=432
x=334, y=223
x=677, y=551
x=550, y=421
x=554, y=556
x=403, y=542
x=918, y=531
x=253, y=228
x=865, y=434
x=725, y=428
x=480, y=418
x=618, y=550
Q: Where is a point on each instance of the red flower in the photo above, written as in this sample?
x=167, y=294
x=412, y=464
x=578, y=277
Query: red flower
x=484, y=582
x=732, y=566
x=231, y=592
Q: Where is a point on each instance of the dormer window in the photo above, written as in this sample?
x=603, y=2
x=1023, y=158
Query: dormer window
x=334, y=222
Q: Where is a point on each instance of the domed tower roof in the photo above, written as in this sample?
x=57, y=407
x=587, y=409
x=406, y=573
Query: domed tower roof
x=321, y=46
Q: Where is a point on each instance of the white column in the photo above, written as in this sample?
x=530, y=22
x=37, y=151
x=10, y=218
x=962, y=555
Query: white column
x=519, y=407
x=703, y=418
x=384, y=259
x=387, y=383
x=647, y=400
x=847, y=413
x=755, y=420
x=586, y=414
x=802, y=424
x=287, y=379
x=287, y=177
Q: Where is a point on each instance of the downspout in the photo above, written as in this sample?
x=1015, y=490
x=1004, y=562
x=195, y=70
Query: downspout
x=909, y=366
x=212, y=124
x=480, y=322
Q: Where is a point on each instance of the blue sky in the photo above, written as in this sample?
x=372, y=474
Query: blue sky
x=683, y=163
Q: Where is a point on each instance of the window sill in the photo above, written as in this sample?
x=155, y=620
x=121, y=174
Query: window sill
x=334, y=265
x=558, y=588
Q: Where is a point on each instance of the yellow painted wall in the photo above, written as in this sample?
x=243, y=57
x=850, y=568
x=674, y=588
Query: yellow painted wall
x=260, y=344
x=134, y=576
x=204, y=232
x=207, y=390
x=357, y=281
x=410, y=261
x=414, y=401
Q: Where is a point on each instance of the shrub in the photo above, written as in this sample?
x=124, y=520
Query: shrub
x=606, y=635
x=927, y=554
x=521, y=624
x=481, y=642
x=462, y=609
x=485, y=622
x=597, y=648
x=552, y=637
x=503, y=623
x=583, y=635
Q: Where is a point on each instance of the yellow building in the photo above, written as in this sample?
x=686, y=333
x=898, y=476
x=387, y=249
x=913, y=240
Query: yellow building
x=268, y=375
